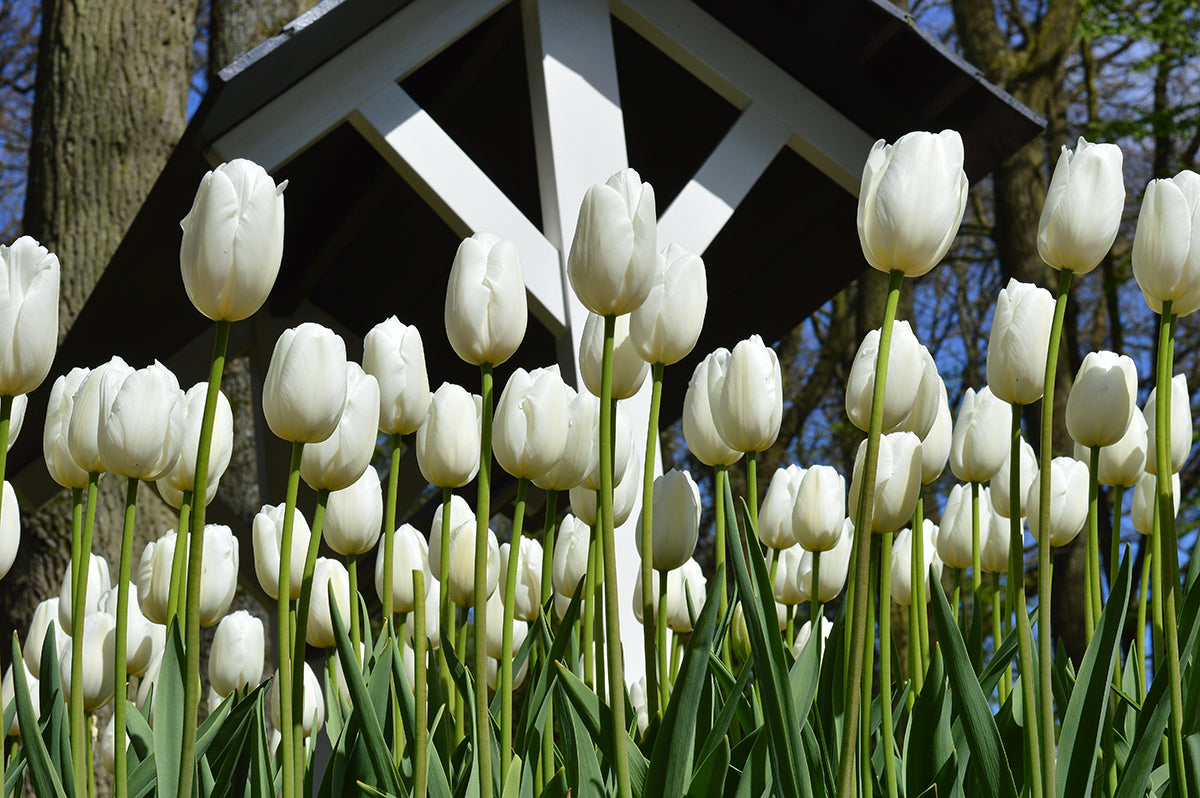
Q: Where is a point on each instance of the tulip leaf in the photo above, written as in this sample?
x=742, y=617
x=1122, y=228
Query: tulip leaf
x=726, y=681
x=733, y=699
x=57, y=722
x=931, y=763
x=41, y=768
x=597, y=718
x=579, y=751
x=987, y=750
x=167, y=702
x=141, y=736
x=804, y=676
x=533, y=715
x=1079, y=746
x=756, y=777
x=708, y=781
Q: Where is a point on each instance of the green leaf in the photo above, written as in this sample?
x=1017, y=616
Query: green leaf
x=987, y=751
x=733, y=699
x=929, y=744
x=1079, y=745
x=533, y=715
x=579, y=752
x=41, y=769
x=168, y=713
x=597, y=718
x=709, y=779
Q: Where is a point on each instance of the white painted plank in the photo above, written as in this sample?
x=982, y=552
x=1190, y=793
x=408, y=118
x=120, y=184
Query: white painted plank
x=302, y=114
x=722, y=182
x=741, y=74
x=459, y=191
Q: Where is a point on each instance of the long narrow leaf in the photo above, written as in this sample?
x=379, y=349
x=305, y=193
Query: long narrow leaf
x=167, y=701
x=598, y=719
x=41, y=768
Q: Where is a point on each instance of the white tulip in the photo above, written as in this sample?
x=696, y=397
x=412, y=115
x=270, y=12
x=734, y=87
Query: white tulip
x=665, y=328
x=1018, y=343
x=98, y=582
x=267, y=534
x=236, y=659
x=460, y=513
x=980, y=439
x=338, y=461
x=1103, y=399
x=448, y=441
x=902, y=583
x=410, y=553
x=835, y=566
x=1124, y=461
x=581, y=447
x=183, y=476
x=83, y=430
x=699, y=429
x=905, y=372
x=486, y=310
x=999, y=485
x=527, y=598
x=775, y=525
x=99, y=643
x=628, y=369
x=354, y=516
x=29, y=283
x=611, y=260
x=1083, y=207
x=10, y=528
x=954, y=544
x=139, y=642
x=394, y=355
x=570, y=555
x=460, y=585
x=1145, y=501
x=327, y=573
x=312, y=718
x=1068, y=501
x=1181, y=425
x=44, y=614
x=819, y=511
x=935, y=446
x=1166, y=245
x=59, y=462
x=530, y=429
x=304, y=392
x=897, y=480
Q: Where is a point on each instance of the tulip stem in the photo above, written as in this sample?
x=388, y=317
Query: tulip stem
x=601, y=684
x=460, y=708
x=719, y=477
x=1093, y=542
x=612, y=617
x=998, y=637
x=287, y=721
x=1139, y=637
x=862, y=531
x=885, y=663
x=1114, y=543
x=546, y=764
x=648, y=620
x=483, y=748
x=79, y=579
x=421, y=686
x=914, y=627
x=956, y=595
x=191, y=693
x=920, y=582
x=303, y=607
x=815, y=614
x=121, y=676
x=752, y=487
x=976, y=566
x=446, y=615
x=506, y=640
x=389, y=527
x=1019, y=607
x=176, y=606
x=864, y=731
x=355, y=622
x=589, y=608
x=660, y=626
x=1169, y=547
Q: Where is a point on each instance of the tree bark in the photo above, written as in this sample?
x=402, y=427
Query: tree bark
x=238, y=26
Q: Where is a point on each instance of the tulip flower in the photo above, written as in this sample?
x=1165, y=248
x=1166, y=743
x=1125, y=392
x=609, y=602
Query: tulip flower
x=954, y=533
x=394, y=355
x=327, y=573
x=912, y=200
x=1145, y=501
x=748, y=402
x=570, y=555
x=993, y=556
x=580, y=449
x=676, y=520
x=235, y=661
x=1124, y=461
x=218, y=580
x=304, y=392
x=10, y=529
x=139, y=640
x=183, y=476
x=612, y=258
x=531, y=424
x=495, y=626
x=59, y=462
x=43, y=615
x=926, y=404
x=902, y=587
x=641, y=708
x=998, y=487
x=1068, y=501
x=29, y=274
x=267, y=532
x=819, y=510
x=665, y=327
x=93, y=400
x=897, y=480
x=583, y=498
x=906, y=369
x=775, y=527
x=313, y=717
x=1166, y=245
x=410, y=553
x=8, y=697
x=1018, y=343
x=1083, y=207
x=99, y=642
x=1103, y=399
x=804, y=634
x=338, y=461
x=628, y=369
x=486, y=310
x=787, y=587
x=935, y=446
x=140, y=422
x=699, y=428
x=154, y=578
x=461, y=585
x=527, y=597
x=1181, y=425
x=354, y=515
x=835, y=567
x=460, y=513
x=622, y=447
x=980, y=437
x=688, y=582
x=448, y=441
x=232, y=241
x=98, y=582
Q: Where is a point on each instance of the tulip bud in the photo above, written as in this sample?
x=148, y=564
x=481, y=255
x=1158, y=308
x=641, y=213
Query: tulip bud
x=44, y=614
x=527, y=598
x=623, y=452
x=581, y=446
x=675, y=521
x=218, y=581
x=583, y=498
x=97, y=583
x=665, y=327
x=612, y=258
x=530, y=430
x=8, y=694
x=354, y=516
x=1068, y=501
x=1102, y=399
x=955, y=532
x=628, y=369
x=775, y=527
x=1124, y=461
x=495, y=626
x=448, y=441
x=486, y=310
x=313, y=716
x=183, y=476
x=570, y=555
x=980, y=440
x=433, y=623
x=656, y=578
x=927, y=403
x=59, y=462
x=1083, y=207
x=1181, y=425
x=139, y=641
x=902, y=583
x=99, y=642
x=28, y=315
x=235, y=661
x=687, y=583
x=10, y=529
x=906, y=368
x=699, y=429
x=835, y=566
x=93, y=401
x=338, y=461
x=819, y=510
x=748, y=403
x=493, y=668
x=267, y=534
x=637, y=698
x=460, y=583
x=935, y=446
x=154, y=577
x=326, y=574
x=787, y=587
x=998, y=487
x=804, y=634
x=139, y=428
x=304, y=392
x=394, y=355
x=232, y=241
x=1018, y=343
x=460, y=513
x=897, y=480
x=1145, y=501
x=994, y=539
x=410, y=553
x=912, y=200
x=1166, y=246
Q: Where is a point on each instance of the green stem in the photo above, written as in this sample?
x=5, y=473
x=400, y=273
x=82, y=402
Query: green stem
x=885, y=663
x=483, y=513
x=446, y=617
x=506, y=650
x=676, y=656
x=460, y=708
x=661, y=654
x=1170, y=545
x=121, y=675
x=752, y=487
x=300, y=642
x=864, y=731
x=920, y=583
x=616, y=669
x=815, y=615
x=976, y=566
x=1114, y=547
x=389, y=527
x=1139, y=637
x=599, y=641
x=998, y=637
x=80, y=739
x=546, y=762
x=862, y=532
x=1091, y=593
x=956, y=594
x=283, y=608
x=421, y=765
x=589, y=608
x=176, y=597
x=914, y=627
x=647, y=564
x=355, y=622
x=89, y=774
x=1157, y=635
x=191, y=693
x=719, y=477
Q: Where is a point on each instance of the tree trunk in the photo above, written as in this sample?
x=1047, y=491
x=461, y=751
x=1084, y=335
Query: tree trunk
x=238, y=26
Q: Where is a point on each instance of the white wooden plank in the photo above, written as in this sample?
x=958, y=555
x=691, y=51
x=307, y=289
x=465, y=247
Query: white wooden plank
x=302, y=114
x=741, y=74
x=459, y=191
x=722, y=182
